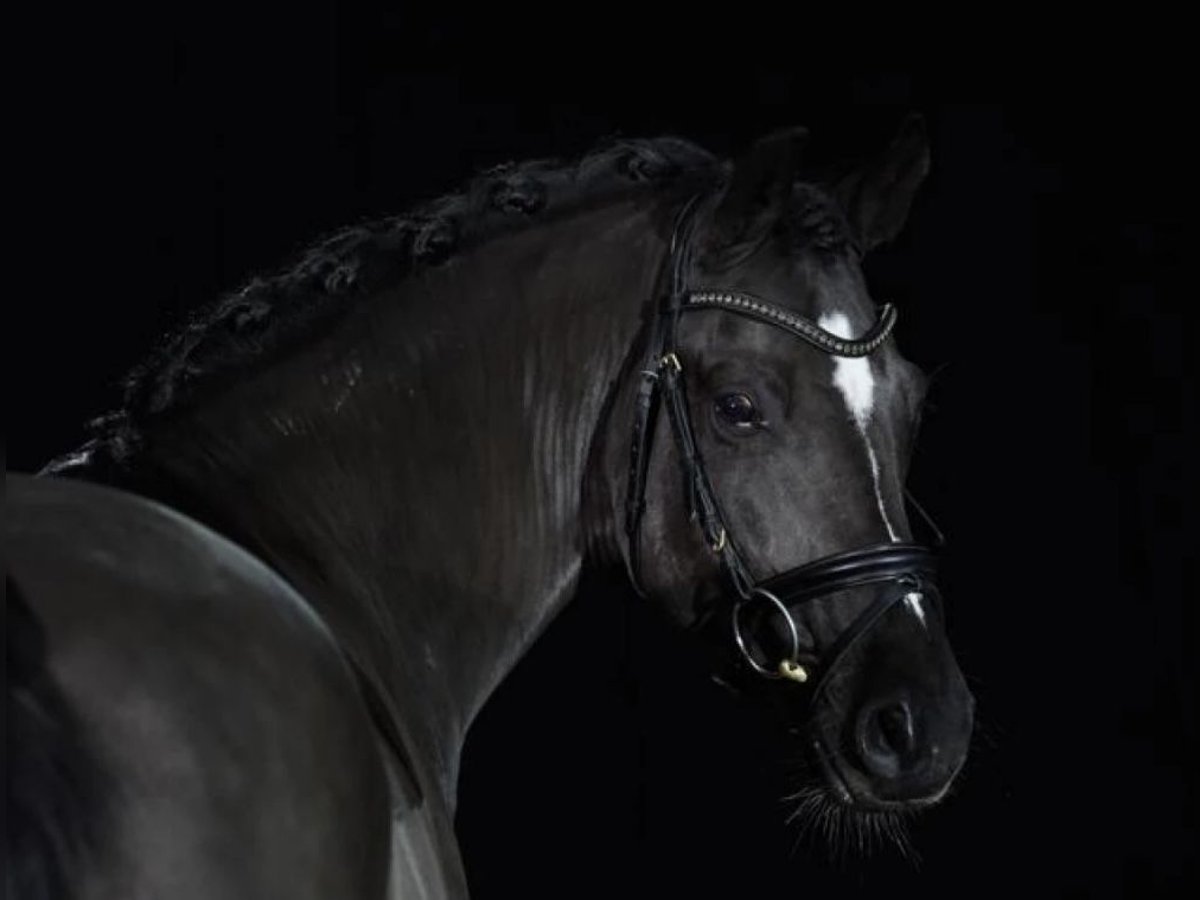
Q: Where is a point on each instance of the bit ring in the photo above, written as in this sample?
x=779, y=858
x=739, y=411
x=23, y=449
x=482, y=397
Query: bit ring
x=789, y=666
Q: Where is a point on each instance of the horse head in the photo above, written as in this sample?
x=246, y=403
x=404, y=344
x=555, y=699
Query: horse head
x=790, y=416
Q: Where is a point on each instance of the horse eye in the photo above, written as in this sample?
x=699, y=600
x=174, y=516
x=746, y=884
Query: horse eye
x=739, y=410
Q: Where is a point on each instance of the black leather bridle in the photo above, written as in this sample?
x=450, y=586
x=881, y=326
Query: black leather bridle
x=908, y=569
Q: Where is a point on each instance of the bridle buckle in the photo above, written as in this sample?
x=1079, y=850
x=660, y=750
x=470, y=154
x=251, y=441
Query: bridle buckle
x=719, y=544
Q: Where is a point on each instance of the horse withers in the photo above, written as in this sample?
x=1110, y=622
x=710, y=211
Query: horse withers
x=405, y=449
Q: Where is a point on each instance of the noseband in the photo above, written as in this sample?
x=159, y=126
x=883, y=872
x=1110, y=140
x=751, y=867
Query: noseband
x=906, y=569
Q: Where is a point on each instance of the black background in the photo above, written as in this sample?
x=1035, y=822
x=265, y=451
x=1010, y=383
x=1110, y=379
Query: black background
x=1040, y=274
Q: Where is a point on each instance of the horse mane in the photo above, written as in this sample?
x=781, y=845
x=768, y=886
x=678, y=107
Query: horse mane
x=254, y=325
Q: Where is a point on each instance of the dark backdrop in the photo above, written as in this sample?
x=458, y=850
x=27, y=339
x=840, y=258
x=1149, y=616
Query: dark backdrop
x=1039, y=273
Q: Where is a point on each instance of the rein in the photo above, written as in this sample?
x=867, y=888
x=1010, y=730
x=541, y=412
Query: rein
x=908, y=568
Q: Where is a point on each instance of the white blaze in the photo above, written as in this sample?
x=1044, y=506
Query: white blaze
x=913, y=600
x=854, y=379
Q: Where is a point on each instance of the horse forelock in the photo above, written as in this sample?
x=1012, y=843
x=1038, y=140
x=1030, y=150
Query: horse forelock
x=814, y=221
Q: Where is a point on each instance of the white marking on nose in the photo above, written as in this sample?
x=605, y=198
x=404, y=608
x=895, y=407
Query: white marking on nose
x=913, y=601
x=854, y=379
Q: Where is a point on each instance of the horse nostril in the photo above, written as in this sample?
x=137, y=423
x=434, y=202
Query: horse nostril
x=887, y=738
x=896, y=727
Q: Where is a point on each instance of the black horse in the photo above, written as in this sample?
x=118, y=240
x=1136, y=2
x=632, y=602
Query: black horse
x=404, y=450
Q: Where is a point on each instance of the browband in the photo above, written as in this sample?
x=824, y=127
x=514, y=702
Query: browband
x=753, y=308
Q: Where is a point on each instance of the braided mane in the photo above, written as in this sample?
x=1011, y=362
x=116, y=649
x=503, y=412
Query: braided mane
x=271, y=313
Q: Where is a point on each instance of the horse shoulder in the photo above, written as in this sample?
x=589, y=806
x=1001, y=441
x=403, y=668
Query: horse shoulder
x=236, y=756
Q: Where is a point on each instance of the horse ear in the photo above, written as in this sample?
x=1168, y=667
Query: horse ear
x=758, y=189
x=877, y=197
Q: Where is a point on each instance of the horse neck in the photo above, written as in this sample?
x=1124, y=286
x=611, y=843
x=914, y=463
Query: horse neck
x=417, y=473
